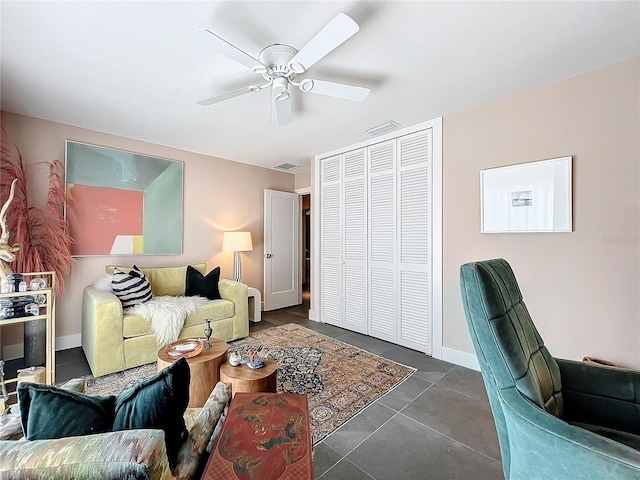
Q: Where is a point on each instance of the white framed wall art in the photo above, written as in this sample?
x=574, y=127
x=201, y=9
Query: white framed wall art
x=527, y=197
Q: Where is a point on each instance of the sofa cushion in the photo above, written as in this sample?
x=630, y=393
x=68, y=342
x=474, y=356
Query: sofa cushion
x=164, y=280
x=204, y=285
x=215, y=310
x=136, y=325
x=158, y=402
x=51, y=412
x=131, y=288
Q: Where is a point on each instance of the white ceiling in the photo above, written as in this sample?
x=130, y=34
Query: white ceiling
x=131, y=69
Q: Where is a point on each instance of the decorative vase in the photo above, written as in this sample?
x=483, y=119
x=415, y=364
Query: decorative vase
x=207, y=333
x=35, y=338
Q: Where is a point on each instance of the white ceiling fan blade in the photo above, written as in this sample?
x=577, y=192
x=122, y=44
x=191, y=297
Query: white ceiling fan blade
x=225, y=96
x=211, y=40
x=334, y=34
x=283, y=111
x=339, y=90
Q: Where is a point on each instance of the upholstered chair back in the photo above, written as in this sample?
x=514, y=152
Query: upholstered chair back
x=510, y=351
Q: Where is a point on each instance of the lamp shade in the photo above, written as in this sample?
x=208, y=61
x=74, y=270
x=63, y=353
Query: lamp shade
x=236, y=242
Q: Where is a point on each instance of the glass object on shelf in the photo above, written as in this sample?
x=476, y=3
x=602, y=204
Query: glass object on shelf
x=38, y=284
x=7, y=287
x=40, y=299
x=32, y=309
x=15, y=278
x=15, y=307
x=22, y=286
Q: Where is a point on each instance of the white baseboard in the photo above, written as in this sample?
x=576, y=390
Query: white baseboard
x=461, y=358
x=11, y=352
x=68, y=341
x=313, y=316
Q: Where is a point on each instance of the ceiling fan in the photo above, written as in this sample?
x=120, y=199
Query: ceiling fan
x=280, y=64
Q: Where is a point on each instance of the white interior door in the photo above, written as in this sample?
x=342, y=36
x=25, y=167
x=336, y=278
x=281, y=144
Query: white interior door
x=281, y=254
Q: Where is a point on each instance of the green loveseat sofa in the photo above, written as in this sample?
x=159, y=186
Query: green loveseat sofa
x=128, y=454
x=114, y=341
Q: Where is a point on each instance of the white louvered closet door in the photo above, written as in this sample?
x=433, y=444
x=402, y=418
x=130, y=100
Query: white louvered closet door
x=414, y=234
x=355, y=241
x=382, y=241
x=331, y=306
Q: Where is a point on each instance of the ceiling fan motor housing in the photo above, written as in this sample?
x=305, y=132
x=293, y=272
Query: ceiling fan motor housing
x=276, y=58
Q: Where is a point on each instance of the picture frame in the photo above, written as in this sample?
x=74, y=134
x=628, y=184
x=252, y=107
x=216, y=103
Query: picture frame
x=122, y=203
x=527, y=197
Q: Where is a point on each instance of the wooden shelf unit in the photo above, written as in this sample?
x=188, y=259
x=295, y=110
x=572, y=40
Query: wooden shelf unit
x=49, y=315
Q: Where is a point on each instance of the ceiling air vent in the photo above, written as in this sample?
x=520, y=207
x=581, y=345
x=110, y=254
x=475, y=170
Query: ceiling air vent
x=286, y=166
x=382, y=128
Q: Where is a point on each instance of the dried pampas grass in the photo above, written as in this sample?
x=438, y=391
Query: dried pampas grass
x=43, y=233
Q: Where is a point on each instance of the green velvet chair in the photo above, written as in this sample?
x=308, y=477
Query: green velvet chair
x=556, y=419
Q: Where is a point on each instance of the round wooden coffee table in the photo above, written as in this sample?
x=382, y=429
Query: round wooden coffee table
x=245, y=379
x=205, y=368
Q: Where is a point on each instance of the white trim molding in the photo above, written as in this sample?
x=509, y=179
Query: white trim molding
x=461, y=358
x=68, y=341
x=11, y=352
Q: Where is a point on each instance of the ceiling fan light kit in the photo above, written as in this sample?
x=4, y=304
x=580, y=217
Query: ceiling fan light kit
x=280, y=64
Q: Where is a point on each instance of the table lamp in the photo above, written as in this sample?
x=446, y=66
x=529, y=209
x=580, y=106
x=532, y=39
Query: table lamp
x=237, y=242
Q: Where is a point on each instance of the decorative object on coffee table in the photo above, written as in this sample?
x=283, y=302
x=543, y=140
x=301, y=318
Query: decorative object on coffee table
x=187, y=347
x=244, y=379
x=234, y=359
x=265, y=436
x=207, y=333
x=204, y=367
x=254, y=359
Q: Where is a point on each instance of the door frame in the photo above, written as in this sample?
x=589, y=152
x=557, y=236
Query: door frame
x=267, y=301
x=306, y=191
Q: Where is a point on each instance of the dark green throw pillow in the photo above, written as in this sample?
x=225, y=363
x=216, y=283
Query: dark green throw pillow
x=159, y=403
x=50, y=412
x=205, y=286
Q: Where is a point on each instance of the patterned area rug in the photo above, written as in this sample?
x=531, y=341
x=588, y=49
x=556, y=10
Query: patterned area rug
x=339, y=379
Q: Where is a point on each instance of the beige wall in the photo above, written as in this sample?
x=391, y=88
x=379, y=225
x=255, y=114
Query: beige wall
x=581, y=288
x=303, y=179
x=218, y=195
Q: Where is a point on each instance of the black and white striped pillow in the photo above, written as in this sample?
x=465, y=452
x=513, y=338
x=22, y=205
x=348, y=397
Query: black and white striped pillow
x=131, y=288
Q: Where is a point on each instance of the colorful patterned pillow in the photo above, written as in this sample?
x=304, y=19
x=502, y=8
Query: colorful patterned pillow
x=131, y=288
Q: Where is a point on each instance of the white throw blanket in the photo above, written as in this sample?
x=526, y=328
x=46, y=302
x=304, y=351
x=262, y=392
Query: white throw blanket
x=167, y=314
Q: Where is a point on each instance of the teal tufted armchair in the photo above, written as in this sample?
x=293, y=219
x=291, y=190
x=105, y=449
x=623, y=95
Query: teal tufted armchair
x=556, y=419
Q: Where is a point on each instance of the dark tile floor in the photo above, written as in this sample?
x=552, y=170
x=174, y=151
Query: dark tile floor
x=435, y=425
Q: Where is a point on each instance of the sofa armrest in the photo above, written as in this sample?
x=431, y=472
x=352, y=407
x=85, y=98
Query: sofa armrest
x=233, y=291
x=542, y=446
x=132, y=454
x=102, y=319
x=204, y=430
x=237, y=293
x=601, y=395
